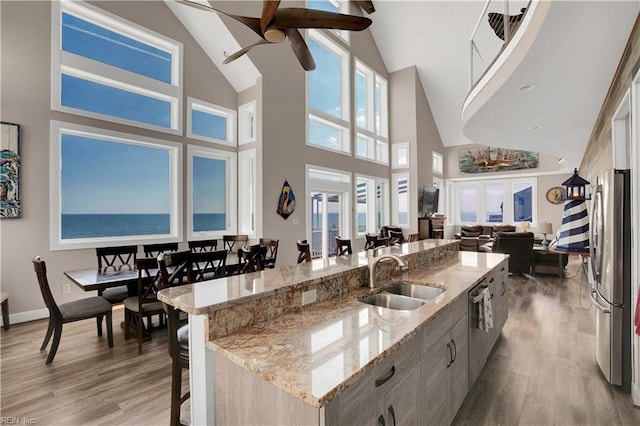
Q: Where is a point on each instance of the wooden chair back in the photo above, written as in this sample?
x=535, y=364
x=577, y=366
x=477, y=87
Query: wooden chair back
x=251, y=259
x=414, y=237
x=395, y=237
x=374, y=240
x=272, y=251
x=175, y=269
x=203, y=245
x=154, y=250
x=40, y=267
x=232, y=243
x=116, y=258
x=343, y=246
x=304, y=252
x=148, y=280
x=208, y=265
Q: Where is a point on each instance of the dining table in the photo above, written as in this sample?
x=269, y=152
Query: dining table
x=102, y=278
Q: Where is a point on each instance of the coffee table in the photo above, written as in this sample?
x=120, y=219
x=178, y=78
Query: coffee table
x=546, y=261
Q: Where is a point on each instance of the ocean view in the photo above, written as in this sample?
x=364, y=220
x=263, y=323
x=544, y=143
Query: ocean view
x=110, y=225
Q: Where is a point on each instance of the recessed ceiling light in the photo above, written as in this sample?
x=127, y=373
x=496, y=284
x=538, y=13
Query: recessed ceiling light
x=537, y=128
x=561, y=160
x=526, y=87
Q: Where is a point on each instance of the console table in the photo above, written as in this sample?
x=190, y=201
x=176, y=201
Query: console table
x=431, y=227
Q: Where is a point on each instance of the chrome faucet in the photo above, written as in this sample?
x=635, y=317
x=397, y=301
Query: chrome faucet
x=373, y=266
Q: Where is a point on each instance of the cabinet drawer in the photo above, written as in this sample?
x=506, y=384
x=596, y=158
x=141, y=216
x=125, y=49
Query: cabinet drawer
x=442, y=323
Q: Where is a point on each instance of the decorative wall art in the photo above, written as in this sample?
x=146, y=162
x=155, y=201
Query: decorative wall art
x=491, y=159
x=287, y=201
x=9, y=170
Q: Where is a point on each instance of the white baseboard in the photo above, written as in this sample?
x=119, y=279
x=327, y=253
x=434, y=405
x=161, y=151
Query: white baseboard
x=27, y=316
x=635, y=394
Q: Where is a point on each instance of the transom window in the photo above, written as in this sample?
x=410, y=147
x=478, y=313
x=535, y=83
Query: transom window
x=110, y=188
x=400, y=155
x=211, y=123
x=109, y=68
x=211, y=192
x=328, y=95
x=371, y=94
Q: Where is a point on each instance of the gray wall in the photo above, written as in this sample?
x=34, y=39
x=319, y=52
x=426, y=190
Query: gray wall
x=26, y=80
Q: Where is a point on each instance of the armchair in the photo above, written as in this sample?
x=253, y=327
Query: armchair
x=519, y=247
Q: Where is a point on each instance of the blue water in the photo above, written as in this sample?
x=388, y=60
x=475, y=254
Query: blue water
x=116, y=225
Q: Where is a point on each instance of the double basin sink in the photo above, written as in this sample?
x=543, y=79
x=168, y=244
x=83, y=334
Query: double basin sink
x=404, y=296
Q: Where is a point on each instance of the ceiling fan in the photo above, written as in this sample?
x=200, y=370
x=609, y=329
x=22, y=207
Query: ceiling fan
x=275, y=24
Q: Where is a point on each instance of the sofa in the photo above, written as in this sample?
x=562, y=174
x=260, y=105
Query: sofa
x=519, y=247
x=472, y=237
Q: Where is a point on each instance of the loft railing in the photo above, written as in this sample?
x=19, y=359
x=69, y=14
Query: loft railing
x=492, y=34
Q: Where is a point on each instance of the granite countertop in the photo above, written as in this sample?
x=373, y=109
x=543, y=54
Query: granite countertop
x=317, y=351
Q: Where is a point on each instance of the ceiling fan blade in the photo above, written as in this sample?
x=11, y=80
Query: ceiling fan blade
x=292, y=17
x=366, y=5
x=300, y=49
x=269, y=9
x=252, y=23
x=243, y=51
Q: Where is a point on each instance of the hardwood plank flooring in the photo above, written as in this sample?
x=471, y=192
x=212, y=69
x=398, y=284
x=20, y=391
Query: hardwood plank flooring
x=542, y=370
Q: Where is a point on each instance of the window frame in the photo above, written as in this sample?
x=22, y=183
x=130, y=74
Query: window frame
x=395, y=178
x=371, y=207
x=230, y=159
x=377, y=134
x=247, y=198
x=437, y=163
x=394, y=155
x=212, y=109
x=341, y=123
x=57, y=128
x=247, y=117
x=63, y=62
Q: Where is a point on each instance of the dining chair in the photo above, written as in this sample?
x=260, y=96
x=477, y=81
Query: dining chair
x=154, y=250
x=414, y=237
x=208, y=265
x=203, y=245
x=145, y=303
x=251, y=259
x=395, y=237
x=180, y=265
x=232, y=243
x=90, y=307
x=117, y=259
x=272, y=251
x=343, y=246
x=304, y=252
x=374, y=241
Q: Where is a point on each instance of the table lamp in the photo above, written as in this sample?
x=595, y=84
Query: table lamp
x=525, y=226
x=545, y=228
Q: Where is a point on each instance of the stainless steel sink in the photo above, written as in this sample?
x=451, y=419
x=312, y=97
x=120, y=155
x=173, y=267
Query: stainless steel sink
x=393, y=301
x=422, y=292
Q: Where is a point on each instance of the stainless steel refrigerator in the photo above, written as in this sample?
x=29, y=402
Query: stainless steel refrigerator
x=610, y=264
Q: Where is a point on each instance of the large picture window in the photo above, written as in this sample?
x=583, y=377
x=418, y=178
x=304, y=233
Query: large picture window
x=328, y=95
x=109, y=188
x=211, y=192
x=108, y=68
x=371, y=114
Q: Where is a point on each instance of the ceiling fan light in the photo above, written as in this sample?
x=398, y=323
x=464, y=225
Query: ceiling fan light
x=274, y=36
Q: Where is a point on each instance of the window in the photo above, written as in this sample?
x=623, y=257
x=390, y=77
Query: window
x=438, y=163
x=247, y=123
x=401, y=205
x=110, y=188
x=497, y=201
x=108, y=68
x=211, y=123
x=328, y=95
x=247, y=193
x=371, y=201
x=400, y=155
x=335, y=6
x=211, y=192
x=371, y=113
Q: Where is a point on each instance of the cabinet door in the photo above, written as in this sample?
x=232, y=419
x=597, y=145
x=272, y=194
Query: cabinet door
x=401, y=403
x=459, y=368
x=433, y=402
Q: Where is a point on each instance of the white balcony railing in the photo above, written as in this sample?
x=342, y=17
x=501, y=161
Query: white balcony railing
x=492, y=33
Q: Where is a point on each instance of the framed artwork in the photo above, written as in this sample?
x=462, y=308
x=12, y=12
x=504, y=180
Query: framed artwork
x=9, y=170
x=492, y=159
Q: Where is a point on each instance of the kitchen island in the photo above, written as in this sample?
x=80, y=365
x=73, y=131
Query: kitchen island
x=260, y=356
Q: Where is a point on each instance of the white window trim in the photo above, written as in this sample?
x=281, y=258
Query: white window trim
x=247, y=202
x=212, y=109
x=369, y=131
x=340, y=123
x=98, y=72
x=371, y=202
x=247, y=117
x=230, y=158
x=395, y=177
x=437, y=158
x=394, y=155
x=339, y=184
x=57, y=128
x=343, y=36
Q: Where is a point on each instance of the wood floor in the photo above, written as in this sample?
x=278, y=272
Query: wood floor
x=541, y=372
